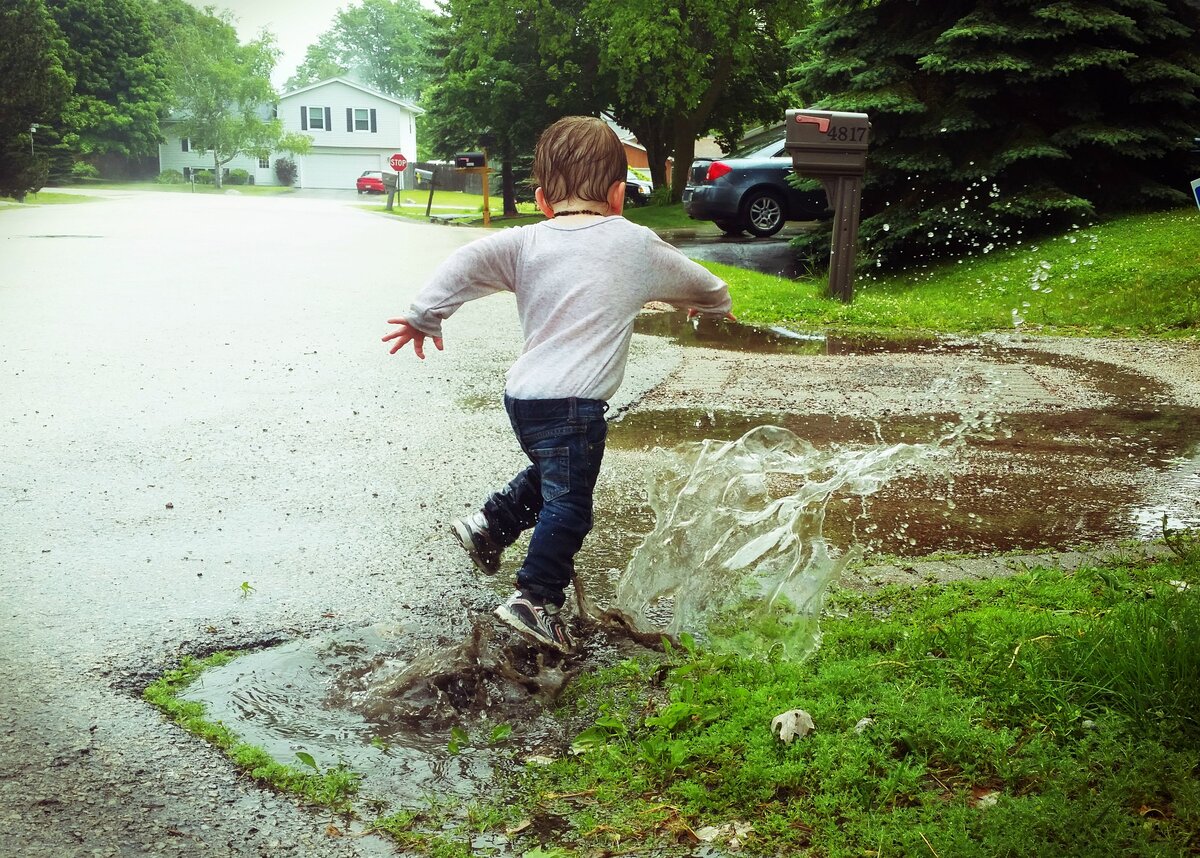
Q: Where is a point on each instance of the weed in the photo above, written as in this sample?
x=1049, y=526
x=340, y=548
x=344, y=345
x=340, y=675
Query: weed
x=1183, y=542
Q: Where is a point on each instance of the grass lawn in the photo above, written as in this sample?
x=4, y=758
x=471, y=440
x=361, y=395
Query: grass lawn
x=186, y=188
x=1134, y=275
x=1046, y=714
x=46, y=198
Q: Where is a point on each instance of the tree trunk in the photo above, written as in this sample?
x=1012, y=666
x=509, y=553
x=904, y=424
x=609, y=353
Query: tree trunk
x=216, y=169
x=685, y=152
x=509, y=185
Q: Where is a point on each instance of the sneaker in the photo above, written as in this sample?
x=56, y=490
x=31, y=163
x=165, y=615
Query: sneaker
x=472, y=534
x=541, y=623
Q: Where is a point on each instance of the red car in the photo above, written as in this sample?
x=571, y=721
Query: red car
x=371, y=182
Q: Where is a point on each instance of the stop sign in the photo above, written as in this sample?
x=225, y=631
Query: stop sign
x=398, y=162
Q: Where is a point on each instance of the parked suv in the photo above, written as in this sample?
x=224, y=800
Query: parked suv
x=749, y=190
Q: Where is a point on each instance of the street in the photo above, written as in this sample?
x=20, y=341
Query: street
x=195, y=396
x=204, y=445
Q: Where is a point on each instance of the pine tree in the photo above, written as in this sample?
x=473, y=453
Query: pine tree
x=993, y=120
x=34, y=91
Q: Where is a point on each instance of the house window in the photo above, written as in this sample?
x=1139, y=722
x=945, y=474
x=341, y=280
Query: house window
x=185, y=144
x=362, y=119
x=316, y=117
x=264, y=163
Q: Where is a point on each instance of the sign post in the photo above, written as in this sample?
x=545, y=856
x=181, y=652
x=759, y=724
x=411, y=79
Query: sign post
x=476, y=162
x=832, y=146
x=1196, y=192
x=398, y=163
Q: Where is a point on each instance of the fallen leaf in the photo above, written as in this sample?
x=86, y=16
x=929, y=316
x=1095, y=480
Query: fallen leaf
x=332, y=830
x=518, y=828
x=708, y=833
x=793, y=724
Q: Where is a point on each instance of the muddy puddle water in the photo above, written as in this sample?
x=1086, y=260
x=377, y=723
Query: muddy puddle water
x=380, y=701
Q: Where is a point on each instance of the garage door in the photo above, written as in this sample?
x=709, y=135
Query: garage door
x=326, y=170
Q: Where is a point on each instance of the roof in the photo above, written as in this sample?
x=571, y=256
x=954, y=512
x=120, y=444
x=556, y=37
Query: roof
x=407, y=105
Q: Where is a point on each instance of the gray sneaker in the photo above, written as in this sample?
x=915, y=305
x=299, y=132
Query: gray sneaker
x=541, y=623
x=472, y=534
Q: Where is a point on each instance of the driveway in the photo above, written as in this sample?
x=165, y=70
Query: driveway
x=195, y=398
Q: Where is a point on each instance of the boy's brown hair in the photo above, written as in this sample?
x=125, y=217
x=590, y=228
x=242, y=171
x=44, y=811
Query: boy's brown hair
x=579, y=157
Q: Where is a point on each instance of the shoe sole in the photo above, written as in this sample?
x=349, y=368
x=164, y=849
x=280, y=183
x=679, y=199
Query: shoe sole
x=463, y=535
x=512, y=620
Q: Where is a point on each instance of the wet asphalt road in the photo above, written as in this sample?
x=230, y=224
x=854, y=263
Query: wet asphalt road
x=193, y=395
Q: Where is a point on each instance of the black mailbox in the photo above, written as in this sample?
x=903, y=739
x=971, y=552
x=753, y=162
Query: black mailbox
x=828, y=143
x=832, y=146
x=470, y=159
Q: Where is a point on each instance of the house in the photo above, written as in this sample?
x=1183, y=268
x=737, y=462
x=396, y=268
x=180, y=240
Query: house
x=353, y=128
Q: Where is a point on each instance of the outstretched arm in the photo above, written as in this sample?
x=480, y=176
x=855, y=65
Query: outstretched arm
x=405, y=333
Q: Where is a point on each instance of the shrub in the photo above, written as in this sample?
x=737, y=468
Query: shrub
x=82, y=170
x=203, y=177
x=238, y=176
x=285, y=171
x=170, y=177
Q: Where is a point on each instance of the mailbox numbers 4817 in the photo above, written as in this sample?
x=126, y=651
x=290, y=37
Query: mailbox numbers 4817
x=846, y=134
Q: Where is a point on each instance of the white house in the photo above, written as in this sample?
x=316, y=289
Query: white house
x=353, y=128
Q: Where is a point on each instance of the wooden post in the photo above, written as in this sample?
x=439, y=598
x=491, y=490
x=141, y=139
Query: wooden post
x=487, y=206
x=432, y=182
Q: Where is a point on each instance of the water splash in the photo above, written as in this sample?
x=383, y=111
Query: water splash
x=737, y=554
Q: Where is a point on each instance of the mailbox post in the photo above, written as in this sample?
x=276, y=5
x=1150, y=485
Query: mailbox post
x=476, y=162
x=832, y=146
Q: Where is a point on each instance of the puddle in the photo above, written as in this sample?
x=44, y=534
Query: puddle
x=1052, y=480
x=378, y=701
x=721, y=334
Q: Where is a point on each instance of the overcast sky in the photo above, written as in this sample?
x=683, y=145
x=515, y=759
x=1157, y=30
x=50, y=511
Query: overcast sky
x=295, y=23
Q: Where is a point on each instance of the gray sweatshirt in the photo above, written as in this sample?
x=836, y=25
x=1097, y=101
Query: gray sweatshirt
x=578, y=287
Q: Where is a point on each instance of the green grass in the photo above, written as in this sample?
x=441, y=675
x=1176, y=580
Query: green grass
x=186, y=188
x=1134, y=275
x=1045, y=714
x=48, y=198
x=332, y=788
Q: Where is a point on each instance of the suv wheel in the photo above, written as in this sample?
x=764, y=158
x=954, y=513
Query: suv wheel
x=729, y=227
x=762, y=213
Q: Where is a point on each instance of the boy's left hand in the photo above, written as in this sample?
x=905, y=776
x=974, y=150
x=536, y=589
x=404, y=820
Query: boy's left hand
x=406, y=333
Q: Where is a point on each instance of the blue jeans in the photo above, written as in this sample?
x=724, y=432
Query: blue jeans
x=564, y=440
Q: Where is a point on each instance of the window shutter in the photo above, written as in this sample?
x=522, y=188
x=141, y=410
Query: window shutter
x=349, y=118
x=328, y=119
x=374, y=127
x=303, y=118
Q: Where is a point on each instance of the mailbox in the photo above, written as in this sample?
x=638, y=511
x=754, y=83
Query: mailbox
x=828, y=143
x=470, y=159
x=832, y=146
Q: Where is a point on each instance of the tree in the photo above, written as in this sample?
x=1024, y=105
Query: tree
x=120, y=78
x=222, y=95
x=508, y=70
x=679, y=71
x=35, y=89
x=383, y=43
x=992, y=120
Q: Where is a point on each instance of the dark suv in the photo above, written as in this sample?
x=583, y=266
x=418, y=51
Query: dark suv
x=749, y=190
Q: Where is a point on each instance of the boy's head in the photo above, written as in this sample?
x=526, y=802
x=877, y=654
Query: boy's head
x=578, y=158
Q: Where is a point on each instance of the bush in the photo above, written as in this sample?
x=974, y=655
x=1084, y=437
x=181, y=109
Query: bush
x=170, y=177
x=285, y=171
x=81, y=170
x=238, y=176
x=203, y=177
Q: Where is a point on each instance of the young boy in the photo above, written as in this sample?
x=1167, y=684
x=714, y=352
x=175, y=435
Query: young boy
x=580, y=279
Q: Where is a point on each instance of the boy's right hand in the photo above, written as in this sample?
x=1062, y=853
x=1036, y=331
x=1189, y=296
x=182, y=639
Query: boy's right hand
x=405, y=333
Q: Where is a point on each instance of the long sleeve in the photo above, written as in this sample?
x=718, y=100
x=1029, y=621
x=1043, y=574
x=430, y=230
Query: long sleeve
x=480, y=268
x=683, y=283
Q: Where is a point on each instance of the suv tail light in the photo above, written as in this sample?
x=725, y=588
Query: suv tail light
x=716, y=170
